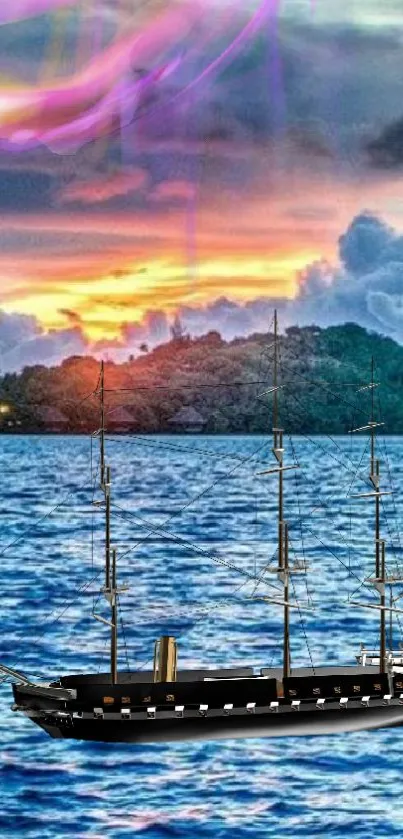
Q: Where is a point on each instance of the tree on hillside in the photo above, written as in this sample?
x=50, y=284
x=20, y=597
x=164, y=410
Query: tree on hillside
x=178, y=332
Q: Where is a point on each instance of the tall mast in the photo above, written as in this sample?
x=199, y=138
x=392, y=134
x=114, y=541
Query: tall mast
x=379, y=543
x=380, y=580
x=114, y=622
x=110, y=588
x=278, y=451
x=105, y=482
x=374, y=474
x=102, y=429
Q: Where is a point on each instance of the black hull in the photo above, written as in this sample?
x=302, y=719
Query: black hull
x=312, y=722
x=228, y=704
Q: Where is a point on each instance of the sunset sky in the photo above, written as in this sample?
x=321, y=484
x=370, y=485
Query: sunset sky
x=196, y=157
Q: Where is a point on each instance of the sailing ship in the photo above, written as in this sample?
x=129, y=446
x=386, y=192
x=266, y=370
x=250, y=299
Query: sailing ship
x=168, y=703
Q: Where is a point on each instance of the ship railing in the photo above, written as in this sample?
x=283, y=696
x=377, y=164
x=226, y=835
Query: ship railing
x=233, y=678
x=372, y=657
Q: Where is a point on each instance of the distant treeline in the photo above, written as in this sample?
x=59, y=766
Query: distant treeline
x=211, y=385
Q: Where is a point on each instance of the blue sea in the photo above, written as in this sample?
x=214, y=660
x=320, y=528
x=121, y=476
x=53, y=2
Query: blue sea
x=194, y=525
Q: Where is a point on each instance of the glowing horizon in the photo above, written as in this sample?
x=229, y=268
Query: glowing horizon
x=103, y=307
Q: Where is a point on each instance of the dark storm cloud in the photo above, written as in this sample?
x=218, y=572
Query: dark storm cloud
x=364, y=245
x=386, y=150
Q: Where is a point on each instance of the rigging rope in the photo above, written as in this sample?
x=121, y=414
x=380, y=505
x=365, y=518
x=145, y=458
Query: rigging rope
x=164, y=445
x=36, y=523
x=182, y=387
x=202, y=493
x=166, y=534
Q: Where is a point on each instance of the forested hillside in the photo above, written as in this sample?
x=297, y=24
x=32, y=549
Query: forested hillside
x=216, y=386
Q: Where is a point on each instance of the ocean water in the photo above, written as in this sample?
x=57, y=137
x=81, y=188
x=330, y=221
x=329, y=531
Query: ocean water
x=194, y=526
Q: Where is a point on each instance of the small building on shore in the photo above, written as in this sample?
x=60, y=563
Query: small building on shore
x=188, y=420
x=119, y=421
x=52, y=419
